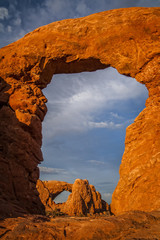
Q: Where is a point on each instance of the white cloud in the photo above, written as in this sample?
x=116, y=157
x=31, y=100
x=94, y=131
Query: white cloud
x=110, y=125
x=95, y=162
x=9, y=29
x=17, y=21
x=76, y=99
x=3, y=13
x=56, y=6
x=107, y=197
x=116, y=115
x=54, y=171
x=63, y=9
x=58, y=9
x=82, y=8
x=1, y=28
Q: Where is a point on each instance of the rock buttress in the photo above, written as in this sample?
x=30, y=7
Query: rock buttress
x=126, y=39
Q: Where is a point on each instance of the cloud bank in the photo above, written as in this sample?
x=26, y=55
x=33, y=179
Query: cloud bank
x=76, y=100
x=3, y=13
x=53, y=171
x=84, y=129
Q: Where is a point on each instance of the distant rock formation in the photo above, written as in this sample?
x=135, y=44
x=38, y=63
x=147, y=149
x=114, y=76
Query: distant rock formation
x=126, y=39
x=49, y=190
x=83, y=200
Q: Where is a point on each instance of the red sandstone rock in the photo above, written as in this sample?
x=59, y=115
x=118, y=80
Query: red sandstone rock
x=126, y=39
x=130, y=226
x=48, y=190
x=56, y=187
x=83, y=200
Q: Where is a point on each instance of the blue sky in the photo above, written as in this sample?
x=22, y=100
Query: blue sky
x=84, y=129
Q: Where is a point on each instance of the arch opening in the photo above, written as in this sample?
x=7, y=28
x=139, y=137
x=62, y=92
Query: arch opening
x=62, y=197
x=84, y=130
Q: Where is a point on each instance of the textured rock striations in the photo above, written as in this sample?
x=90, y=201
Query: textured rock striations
x=126, y=39
x=83, y=200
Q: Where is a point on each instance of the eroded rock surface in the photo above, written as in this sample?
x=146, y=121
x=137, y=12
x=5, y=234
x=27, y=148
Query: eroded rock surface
x=83, y=200
x=129, y=226
x=126, y=39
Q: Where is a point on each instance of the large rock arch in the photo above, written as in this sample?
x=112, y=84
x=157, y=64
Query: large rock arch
x=126, y=39
x=83, y=200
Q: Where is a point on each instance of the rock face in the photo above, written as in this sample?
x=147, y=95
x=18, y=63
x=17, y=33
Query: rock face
x=83, y=200
x=126, y=39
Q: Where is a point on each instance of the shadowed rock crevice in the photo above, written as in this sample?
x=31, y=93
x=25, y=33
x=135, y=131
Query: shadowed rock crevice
x=126, y=39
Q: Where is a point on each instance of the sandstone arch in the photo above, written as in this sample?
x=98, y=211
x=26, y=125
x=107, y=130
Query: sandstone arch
x=55, y=187
x=126, y=39
x=83, y=200
x=49, y=190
